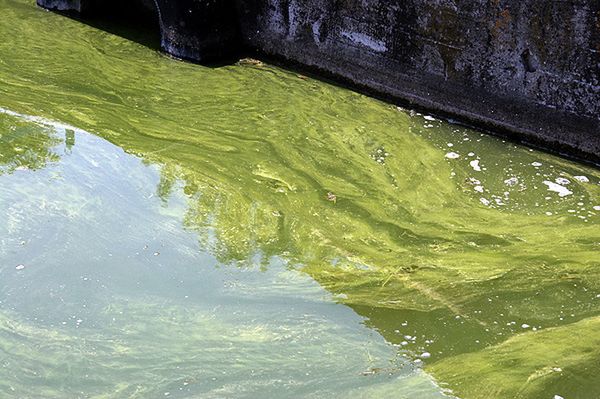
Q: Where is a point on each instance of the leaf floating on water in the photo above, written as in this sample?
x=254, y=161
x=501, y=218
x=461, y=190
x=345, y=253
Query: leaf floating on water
x=331, y=197
x=251, y=61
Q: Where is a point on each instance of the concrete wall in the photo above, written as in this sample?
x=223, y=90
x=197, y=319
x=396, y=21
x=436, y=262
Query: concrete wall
x=526, y=68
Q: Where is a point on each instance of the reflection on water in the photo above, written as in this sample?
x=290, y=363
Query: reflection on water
x=105, y=294
x=24, y=148
x=246, y=232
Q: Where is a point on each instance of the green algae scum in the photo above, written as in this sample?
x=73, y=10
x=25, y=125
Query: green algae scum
x=173, y=230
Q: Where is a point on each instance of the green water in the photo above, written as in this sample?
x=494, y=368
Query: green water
x=172, y=230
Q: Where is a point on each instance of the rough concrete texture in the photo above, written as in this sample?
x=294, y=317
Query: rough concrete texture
x=198, y=29
x=526, y=68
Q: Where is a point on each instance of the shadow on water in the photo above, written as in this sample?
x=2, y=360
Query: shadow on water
x=134, y=20
x=137, y=21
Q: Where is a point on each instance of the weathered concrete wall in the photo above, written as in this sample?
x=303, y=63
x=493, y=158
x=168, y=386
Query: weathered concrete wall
x=530, y=68
x=198, y=29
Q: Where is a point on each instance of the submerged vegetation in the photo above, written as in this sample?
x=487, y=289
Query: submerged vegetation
x=477, y=259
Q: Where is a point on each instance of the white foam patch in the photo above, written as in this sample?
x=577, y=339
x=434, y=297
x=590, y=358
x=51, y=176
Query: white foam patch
x=583, y=179
x=475, y=165
x=557, y=188
x=452, y=155
x=513, y=181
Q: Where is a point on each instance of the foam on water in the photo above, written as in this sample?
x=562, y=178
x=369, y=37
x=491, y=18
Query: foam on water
x=558, y=188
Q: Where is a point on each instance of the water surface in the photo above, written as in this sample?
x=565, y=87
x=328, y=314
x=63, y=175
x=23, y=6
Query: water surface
x=245, y=231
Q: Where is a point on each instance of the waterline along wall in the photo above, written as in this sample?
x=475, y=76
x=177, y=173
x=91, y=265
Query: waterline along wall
x=529, y=69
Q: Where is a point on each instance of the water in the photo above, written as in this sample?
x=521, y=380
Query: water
x=173, y=230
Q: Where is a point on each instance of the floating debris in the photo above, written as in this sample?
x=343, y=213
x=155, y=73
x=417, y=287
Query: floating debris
x=513, y=181
x=251, y=61
x=475, y=165
x=557, y=188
